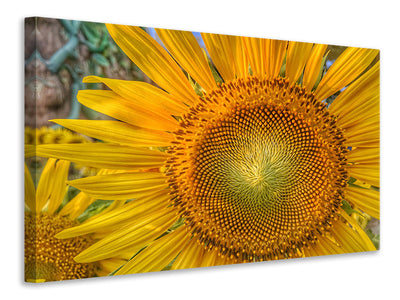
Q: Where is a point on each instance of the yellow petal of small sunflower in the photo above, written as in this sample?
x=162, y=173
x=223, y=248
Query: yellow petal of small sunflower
x=59, y=186
x=46, y=257
x=76, y=206
x=43, y=191
x=30, y=192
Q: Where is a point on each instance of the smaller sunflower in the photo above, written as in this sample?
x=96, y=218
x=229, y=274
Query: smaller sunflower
x=46, y=257
x=60, y=135
x=48, y=135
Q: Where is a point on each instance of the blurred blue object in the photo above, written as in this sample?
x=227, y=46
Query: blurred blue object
x=199, y=39
x=329, y=63
x=197, y=35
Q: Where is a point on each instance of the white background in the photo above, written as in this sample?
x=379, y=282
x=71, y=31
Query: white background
x=372, y=24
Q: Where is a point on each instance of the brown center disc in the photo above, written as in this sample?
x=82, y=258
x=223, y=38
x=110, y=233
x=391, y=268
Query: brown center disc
x=258, y=169
x=48, y=258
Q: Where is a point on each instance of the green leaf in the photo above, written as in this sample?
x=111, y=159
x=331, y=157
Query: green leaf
x=348, y=209
x=197, y=88
x=100, y=60
x=321, y=70
x=375, y=238
x=90, y=32
x=214, y=72
x=177, y=224
x=94, y=208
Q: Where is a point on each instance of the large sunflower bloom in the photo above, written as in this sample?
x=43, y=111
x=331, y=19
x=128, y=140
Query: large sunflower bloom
x=46, y=257
x=254, y=168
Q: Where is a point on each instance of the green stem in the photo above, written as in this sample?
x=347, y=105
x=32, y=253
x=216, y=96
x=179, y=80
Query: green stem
x=62, y=54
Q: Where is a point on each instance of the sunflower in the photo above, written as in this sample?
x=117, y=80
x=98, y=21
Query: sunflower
x=48, y=135
x=46, y=257
x=240, y=158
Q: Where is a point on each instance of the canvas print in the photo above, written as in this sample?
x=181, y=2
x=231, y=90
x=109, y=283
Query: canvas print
x=150, y=149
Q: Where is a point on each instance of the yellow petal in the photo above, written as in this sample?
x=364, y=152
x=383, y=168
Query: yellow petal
x=116, y=218
x=122, y=186
x=341, y=239
x=349, y=65
x=209, y=258
x=352, y=239
x=371, y=143
x=364, y=155
x=370, y=123
x=371, y=178
x=184, y=48
x=275, y=55
x=256, y=51
x=363, y=135
x=297, y=55
x=227, y=54
x=107, y=156
x=158, y=254
x=143, y=94
x=30, y=193
x=313, y=66
x=241, y=62
x=365, y=199
x=359, y=101
x=153, y=60
x=118, y=132
x=132, y=237
x=365, y=164
x=324, y=246
x=190, y=257
x=220, y=260
x=30, y=150
x=371, y=169
x=265, y=56
x=113, y=105
x=115, y=205
x=356, y=119
x=44, y=186
x=309, y=252
x=107, y=266
x=58, y=185
x=76, y=206
x=148, y=204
